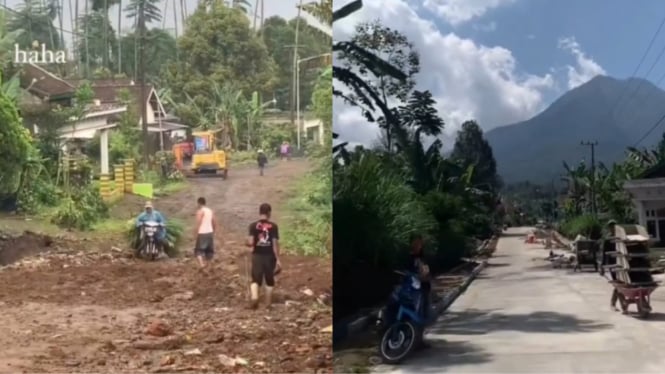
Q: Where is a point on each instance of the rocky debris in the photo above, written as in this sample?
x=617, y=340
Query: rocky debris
x=231, y=362
x=65, y=259
x=183, y=296
x=193, y=352
x=158, y=328
x=167, y=360
x=167, y=344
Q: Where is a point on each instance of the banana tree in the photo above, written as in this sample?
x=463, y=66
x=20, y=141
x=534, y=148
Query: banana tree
x=579, y=185
x=11, y=88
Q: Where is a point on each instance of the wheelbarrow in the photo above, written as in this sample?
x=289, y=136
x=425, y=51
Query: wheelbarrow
x=635, y=293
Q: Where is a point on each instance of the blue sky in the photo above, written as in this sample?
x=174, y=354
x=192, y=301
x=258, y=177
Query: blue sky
x=613, y=33
x=503, y=61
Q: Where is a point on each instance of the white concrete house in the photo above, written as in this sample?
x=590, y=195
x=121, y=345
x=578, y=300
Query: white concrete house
x=648, y=194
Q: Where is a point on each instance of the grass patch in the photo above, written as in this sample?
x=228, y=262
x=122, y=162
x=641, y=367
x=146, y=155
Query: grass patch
x=110, y=225
x=306, y=227
x=170, y=188
x=17, y=224
x=241, y=158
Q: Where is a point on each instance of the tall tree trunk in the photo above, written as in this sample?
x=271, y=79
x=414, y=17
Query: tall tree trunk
x=85, y=35
x=175, y=23
x=183, y=13
x=61, y=23
x=120, y=37
x=136, y=47
x=75, y=37
x=105, y=61
x=144, y=111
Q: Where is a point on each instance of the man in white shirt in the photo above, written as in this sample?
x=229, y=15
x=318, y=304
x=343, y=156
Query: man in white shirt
x=205, y=233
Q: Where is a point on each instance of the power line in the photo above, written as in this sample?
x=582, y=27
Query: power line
x=658, y=82
x=641, y=82
x=639, y=65
x=655, y=126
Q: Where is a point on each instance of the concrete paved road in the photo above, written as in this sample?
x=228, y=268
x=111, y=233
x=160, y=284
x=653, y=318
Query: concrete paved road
x=522, y=316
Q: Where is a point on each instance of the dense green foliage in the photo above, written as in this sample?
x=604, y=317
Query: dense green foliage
x=573, y=209
x=222, y=72
x=308, y=230
x=382, y=196
x=586, y=225
x=15, y=144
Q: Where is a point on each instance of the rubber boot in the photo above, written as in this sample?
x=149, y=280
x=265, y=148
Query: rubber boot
x=268, y=297
x=254, y=295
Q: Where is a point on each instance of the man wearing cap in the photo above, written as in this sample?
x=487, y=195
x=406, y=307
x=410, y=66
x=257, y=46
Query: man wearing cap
x=150, y=214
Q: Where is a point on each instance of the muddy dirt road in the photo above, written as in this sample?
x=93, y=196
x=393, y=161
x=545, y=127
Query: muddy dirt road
x=81, y=306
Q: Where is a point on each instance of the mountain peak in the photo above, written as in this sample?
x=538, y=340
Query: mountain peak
x=534, y=149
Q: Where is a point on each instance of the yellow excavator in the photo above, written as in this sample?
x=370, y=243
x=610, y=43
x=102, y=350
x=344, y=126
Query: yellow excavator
x=206, y=159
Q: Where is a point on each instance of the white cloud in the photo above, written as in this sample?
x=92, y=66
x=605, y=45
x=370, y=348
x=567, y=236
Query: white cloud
x=585, y=69
x=486, y=27
x=456, y=12
x=531, y=36
x=469, y=81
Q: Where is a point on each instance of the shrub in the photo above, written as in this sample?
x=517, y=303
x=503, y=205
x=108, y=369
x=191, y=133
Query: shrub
x=586, y=225
x=81, y=209
x=307, y=228
x=40, y=193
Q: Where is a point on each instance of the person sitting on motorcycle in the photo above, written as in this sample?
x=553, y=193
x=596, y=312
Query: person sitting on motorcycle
x=418, y=266
x=150, y=214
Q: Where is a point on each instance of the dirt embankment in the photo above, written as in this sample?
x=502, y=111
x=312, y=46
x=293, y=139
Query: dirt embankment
x=83, y=306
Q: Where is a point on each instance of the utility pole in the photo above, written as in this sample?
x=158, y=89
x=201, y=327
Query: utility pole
x=144, y=114
x=593, y=145
x=295, y=67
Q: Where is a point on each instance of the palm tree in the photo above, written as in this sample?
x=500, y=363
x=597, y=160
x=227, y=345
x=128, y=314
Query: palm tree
x=322, y=10
x=101, y=8
x=150, y=8
x=37, y=21
x=367, y=97
x=242, y=5
x=98, y=43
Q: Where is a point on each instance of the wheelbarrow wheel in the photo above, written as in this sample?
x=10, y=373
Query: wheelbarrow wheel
x=643, y=307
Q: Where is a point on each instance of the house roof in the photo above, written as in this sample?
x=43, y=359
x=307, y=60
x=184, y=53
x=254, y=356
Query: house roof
x=108, y=90
x=111, y=93
x=43, y=83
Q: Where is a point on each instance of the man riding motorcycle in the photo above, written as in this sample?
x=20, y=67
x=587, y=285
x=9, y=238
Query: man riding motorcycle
x=150, y=214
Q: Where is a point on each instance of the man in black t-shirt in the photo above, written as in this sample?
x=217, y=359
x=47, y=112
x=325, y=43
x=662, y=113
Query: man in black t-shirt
x=264, y=240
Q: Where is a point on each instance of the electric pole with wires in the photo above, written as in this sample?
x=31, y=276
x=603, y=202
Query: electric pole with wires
x=593, y=174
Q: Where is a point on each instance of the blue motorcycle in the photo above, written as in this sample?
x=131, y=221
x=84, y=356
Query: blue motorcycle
x=402, y=322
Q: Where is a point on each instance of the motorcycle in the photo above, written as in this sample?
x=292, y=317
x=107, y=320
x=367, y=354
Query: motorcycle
x=402, y=322
x=150, y=248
